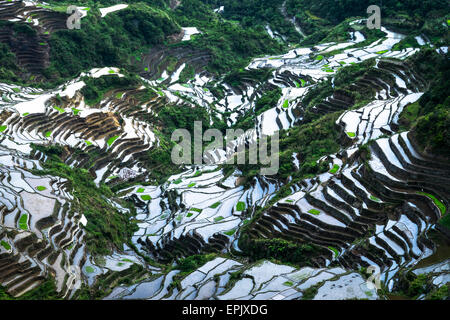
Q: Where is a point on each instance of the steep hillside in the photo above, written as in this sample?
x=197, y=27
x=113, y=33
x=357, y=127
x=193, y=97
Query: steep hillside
x=93, y=207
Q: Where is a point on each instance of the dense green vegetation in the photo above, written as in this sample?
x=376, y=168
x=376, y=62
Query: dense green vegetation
x=278, y=249
x=183, y=116
x=230, y=38
x=333, y=13
x=117, y=37
x=123, y=37
x=429, y=118
x=432, y=130
x=409, y=115
x=9, y=70
x=192, y=263
x=316, y=18
x=445, y=221
x=230, y=45
x=45, y=291
x=412, y=286
x=236, y=78
x=251, y=13
x=310, y=141
x=95, y=88
x=159, y=162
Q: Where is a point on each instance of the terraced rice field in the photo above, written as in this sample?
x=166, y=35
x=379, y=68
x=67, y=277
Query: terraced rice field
x=362, y=212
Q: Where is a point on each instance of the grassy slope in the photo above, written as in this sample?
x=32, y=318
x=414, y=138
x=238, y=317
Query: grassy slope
x=122, y=36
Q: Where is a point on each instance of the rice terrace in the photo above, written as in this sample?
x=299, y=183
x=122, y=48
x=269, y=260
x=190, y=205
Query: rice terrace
x=352, y=118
